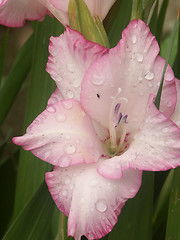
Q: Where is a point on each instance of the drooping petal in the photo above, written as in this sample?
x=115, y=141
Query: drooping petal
x=91, y=201
x=13, y=13
x=70, y=56
x=62, y=135
x=176, y=115
x=156, y=147
x=97, y=7
x=126, y=76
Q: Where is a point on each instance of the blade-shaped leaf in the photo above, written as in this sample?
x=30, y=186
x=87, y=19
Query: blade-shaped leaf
x=31, y=169
x=34, y=221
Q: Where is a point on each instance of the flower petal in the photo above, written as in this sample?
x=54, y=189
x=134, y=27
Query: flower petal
x=62, y=135
x=56, y=96
x=70, y=56
x=126, y=75
x=156, y=147
x=96, y=7
x=91, y=201
x=13, y=13
x=176, y=115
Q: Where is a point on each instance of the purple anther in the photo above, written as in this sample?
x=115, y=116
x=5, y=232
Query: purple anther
x=124, y=120
x=119, y=119
x=116, y=109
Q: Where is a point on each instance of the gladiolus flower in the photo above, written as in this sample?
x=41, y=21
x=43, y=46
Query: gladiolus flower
x=101, y=127
x=13, y=13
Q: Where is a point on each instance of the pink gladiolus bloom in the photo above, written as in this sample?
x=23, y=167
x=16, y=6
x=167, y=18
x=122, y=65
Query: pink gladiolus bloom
x=13, y=13
x=101, y=127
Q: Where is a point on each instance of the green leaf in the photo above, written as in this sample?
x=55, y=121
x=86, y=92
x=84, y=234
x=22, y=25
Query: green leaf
x=14, y=81
x=31, y=169
x=2, y=54
x=81, y=20
x=121, y=21
x=158, y=96
x=173, y=229
x=135, y=220
x=34, y=221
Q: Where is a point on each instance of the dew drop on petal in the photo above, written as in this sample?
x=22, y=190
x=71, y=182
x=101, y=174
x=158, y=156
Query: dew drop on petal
x=67, y=136
x=69, y=148
x=169, y=104
x=76, y=83
x=58, y=78
x=93, y=183
x=101, y=205
x=133, y=38
x=61, y=117
x=149, y=75
x=70, y=68
x=64, y=161
x=139, y=57
x=150, y=84
x=67, y=180
x=165, y=130
x=47, y=154
x=170, y=142
x=67, y=105
x=70, y=94
x=51, y=109
x=97, y=80
x=140, y=79
x=169, y=76
x=64, y=192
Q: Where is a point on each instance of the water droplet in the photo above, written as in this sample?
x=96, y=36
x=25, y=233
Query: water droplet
x=64, y=161
x=169, y=104
x=67, y=104
x=64, y=192
x=70, y=68
x=149, y=75
x=52, y=100
x=139, y=57
x=54, y=53
x=93, y=183
x=70, y=149
x=140, y=79
x=76, y=83
x=133, y=38
x=158, y=84
x=51, y=109
x=47, y=154
x=67, y=180
x=170, y=141
x=97, y=80
x=165, y=130
x=70, y=94
x=67, y=136
x=169, y=76
x=59, y=78
x=61, y=117
x=101, y=205
x=150, y=84
x=134, y=24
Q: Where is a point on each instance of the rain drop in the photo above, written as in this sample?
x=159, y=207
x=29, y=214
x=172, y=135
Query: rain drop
x=169, y=104
x=140, y=79
x=139, y=57
x=169, y=76
x=47, y=154
x=51, y=109
x=67, y=104
x=134, y=39
x=93, y=183
x=70, y=94
x=70, y=68
x=64, y=161
x=67, y=180
x=150, y=84
x=64, y=193
x=70, y=149
x=101, y=205
x=97, y=80
x=59, y=78
x=165, y=130
x=61, y=117
x=149, y=75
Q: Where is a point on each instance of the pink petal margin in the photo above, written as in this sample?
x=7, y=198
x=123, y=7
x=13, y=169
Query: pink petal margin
x=91, y=202
x=156, y=147
x=70, y=56
x=62, y=135
x=13, y=13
